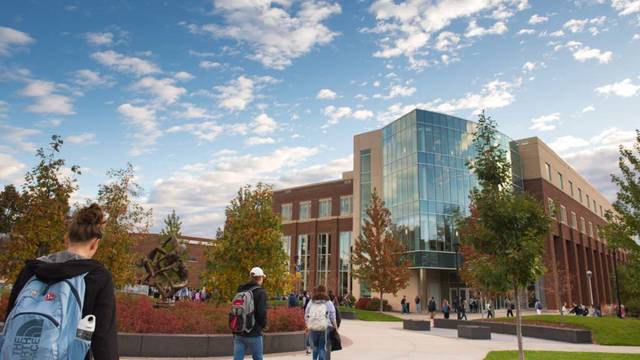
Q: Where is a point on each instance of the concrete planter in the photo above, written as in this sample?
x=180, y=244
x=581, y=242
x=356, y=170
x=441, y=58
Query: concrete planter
x=418, y=325
x=575, y=336
x=474, y=332
x=348, y=315
x=179, y=345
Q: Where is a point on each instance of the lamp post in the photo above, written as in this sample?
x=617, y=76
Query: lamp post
x=589, y=273
x=615, y=270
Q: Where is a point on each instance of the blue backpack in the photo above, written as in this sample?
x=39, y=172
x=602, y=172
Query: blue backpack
x=43, y=323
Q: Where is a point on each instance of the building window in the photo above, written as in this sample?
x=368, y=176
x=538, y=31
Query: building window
x=325, y=208
x=305, y=210
x=601, y=214
x=583, y=228
x=286, y=246
x=588, y=202
x=597, y=232
x=346, y=204
x=563, y=214
x=580, y=195
x=303, y=259
x=323, y=258
x=574, y=221
x=595, y=209
x=344, y=286
x=590, y=229
x=285, y=212
x=571, y=188
x=551, y=207
x=548, y=168
x=365, y=182
x=561, y=180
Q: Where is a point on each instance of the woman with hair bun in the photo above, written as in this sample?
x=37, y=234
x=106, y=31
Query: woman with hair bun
x=66, y=275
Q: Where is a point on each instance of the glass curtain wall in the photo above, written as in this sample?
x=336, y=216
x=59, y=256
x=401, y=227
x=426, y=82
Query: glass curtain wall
x=324, y=259
x=344, y=286
x=304, y=260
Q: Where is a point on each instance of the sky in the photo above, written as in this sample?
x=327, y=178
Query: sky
x=203, y=97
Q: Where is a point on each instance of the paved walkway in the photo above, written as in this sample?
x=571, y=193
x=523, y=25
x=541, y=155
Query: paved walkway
x=387, y=341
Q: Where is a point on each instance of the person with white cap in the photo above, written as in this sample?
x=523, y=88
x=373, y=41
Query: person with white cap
x=249, y=316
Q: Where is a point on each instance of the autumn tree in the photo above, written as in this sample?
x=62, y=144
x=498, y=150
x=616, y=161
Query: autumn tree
x=624, y=224
x=251, y=237
x=506, y=228
x=172, y=225
x=124, y=217
x=9, y=208
x=40, y=226
x=378, y=255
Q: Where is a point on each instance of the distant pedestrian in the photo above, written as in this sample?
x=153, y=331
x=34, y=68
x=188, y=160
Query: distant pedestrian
x=293, y=301
x=622, y=312
x=456, y=304
x=432, y=307
x=564, y=310
x=248, y=317
x=489, y=310
x=510, y=307
x=462, y=315
x=418, y=306
x=446, y=309
x=403, y=304
x=538, y=306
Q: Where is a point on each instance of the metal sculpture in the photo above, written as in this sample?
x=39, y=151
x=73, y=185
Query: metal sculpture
x=165, y=268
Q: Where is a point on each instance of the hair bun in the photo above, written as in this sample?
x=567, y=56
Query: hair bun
x=90, y=215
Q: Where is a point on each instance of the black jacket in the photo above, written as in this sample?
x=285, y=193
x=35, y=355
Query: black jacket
x=99, y=298
x=260, y=308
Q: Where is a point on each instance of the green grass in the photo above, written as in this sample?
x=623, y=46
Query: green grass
x=366, y=315
x=605, y=330
x=559, y=355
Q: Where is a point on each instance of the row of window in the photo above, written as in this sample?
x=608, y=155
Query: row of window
x=589, y=201
x=574, y=220
x=324, y=208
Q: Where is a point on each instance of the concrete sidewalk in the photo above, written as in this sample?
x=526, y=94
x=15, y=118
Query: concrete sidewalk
x=387, y=341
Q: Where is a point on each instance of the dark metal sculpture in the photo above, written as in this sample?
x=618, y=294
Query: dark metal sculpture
x=165, y=268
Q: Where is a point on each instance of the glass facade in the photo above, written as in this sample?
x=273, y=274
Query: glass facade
x=426, y=181
x=365, y=182
x=303, y=258
x=345, y=263
x=323, y=258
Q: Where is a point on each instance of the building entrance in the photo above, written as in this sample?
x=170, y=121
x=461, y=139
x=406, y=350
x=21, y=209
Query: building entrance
x=460, y=294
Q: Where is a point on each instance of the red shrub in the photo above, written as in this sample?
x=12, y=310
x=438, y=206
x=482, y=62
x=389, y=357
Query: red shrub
x=372, y=304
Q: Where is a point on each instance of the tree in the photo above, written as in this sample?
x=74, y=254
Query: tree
x=378, y=255
x=251, y=237
x=506, y=228
x=40, y=226
x=9, y=208
x=124, y=217
x=172, y=225
x=624, y=223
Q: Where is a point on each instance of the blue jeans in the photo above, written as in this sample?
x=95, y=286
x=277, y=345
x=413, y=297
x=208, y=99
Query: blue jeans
x=318, y=339
x=241, y=343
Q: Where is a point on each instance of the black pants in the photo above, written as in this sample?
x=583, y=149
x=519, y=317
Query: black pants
x=446, y=315
x=509, y=312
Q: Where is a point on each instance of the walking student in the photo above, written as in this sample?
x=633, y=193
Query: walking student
x=403, y=304
x=69, y=280
x=510, y=307
x=319, y=315
x=248, y=316
x=418, y=307
x=446, y=309
x=432, y=307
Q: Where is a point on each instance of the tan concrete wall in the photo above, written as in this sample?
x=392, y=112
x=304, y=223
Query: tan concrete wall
x=535, y=153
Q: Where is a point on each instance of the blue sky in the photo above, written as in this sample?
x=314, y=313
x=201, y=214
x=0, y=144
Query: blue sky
x=205, y=96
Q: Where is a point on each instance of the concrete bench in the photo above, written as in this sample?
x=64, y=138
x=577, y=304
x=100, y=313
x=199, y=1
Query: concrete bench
x=475, y=332
x=419, y=325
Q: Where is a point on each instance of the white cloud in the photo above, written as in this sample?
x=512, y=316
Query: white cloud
x=362, y=114
x=624, y=88
x=123, y=63
x=4, y=107
x=255, y=140
x=238, y=93
x=376, y=83
x=397, y=90
x=545, y=122
x=164, y=90
x=143, y=119
x=558, y=33
x=564, y=143
x=47, y=100
x=474, y=30
x=579, y=25
x=192, y=111
x=493, y=95
x=263, y=124
x=10, y=37
x=406, y=27
x=326, y=94
x=584, y=53
x=626, y=7
x=17, y=136
x=447, y=41
x=89, y=78
x=105, y=38
x=537, y=19
x=206, y=131
x=206, y=64
x=84, y=138
x=635, y=37
x=335, y=114
x=526, y=32
x=183, y=76
x=529, y=66
x=11, y=169
x=589, y=108
x=275, y=31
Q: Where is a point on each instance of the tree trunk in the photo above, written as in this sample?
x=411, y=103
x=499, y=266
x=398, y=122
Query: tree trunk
x=381, y=303
x=518, y=324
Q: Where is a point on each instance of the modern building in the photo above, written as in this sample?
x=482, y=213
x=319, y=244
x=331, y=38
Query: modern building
x=418, y=165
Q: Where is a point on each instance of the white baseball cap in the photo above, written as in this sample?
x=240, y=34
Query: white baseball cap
x=256, y=271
